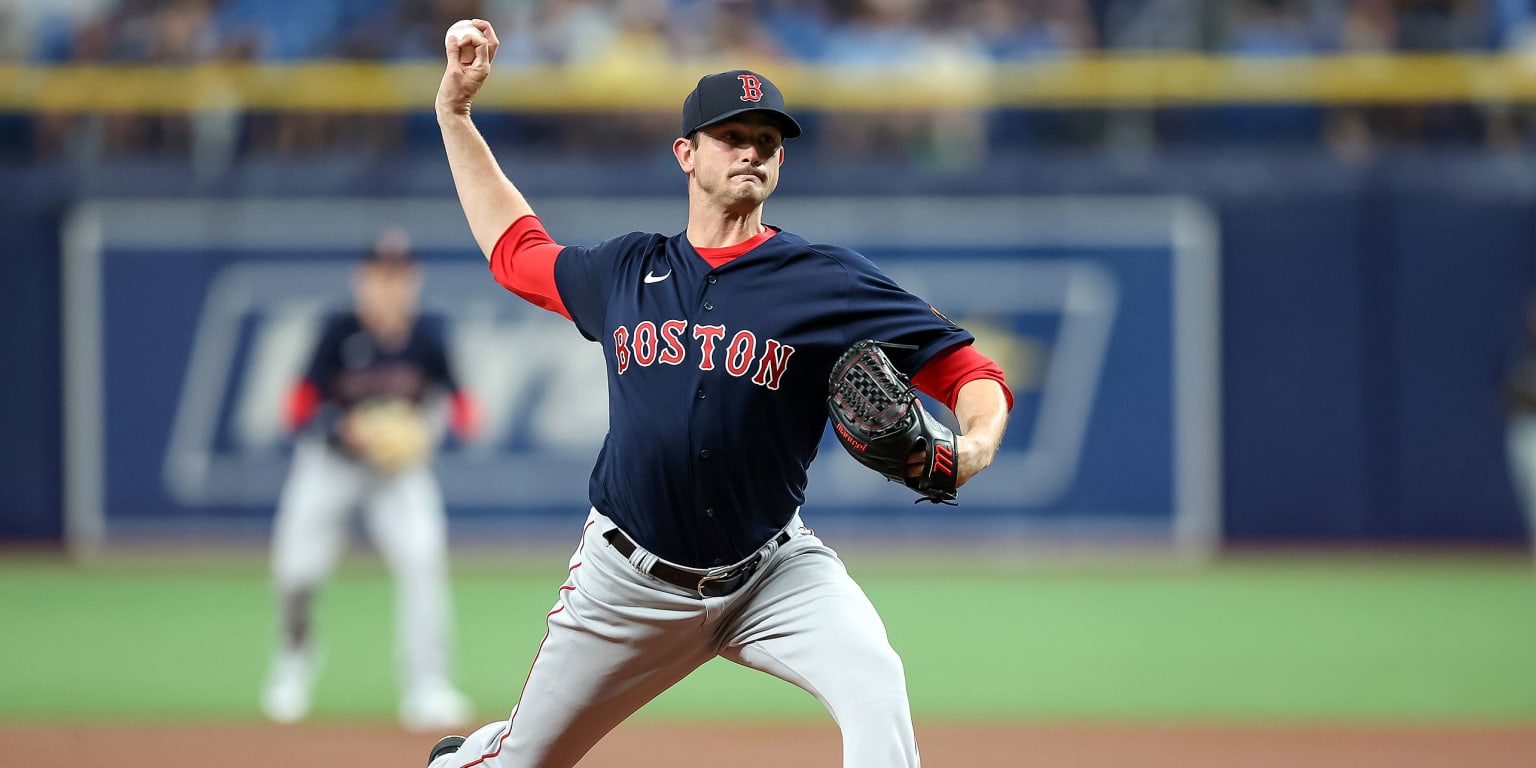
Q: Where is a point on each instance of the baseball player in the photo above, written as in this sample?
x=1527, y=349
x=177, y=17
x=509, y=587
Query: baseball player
x=365, y=444
x=718, y=342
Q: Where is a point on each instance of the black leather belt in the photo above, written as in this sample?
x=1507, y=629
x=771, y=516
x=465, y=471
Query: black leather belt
x=717, y=582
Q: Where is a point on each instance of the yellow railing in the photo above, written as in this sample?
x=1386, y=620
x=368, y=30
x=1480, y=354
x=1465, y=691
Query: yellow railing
x=1132, y=80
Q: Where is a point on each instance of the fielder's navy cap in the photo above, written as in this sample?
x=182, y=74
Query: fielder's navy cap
x=724, y=95
x=391, y=248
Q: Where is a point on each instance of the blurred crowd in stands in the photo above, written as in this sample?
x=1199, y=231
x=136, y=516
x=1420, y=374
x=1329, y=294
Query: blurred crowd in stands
x=830, y=32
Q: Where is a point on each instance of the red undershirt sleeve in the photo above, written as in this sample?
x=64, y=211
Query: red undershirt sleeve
x=523, y=262
x=303, y=402
x=955, y=367
x=465, y=415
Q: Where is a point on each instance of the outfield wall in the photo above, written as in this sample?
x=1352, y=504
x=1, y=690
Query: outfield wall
x=1365, y=316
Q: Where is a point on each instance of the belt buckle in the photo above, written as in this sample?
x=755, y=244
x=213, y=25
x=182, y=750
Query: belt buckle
x=707, y=579
x=727, y=574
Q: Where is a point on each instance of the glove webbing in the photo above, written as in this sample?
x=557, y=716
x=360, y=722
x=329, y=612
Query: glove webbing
x=872, y=397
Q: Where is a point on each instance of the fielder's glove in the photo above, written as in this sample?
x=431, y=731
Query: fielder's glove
x=880, y=422
x=389, y=435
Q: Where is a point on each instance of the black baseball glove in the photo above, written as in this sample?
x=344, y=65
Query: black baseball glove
x=879, y=420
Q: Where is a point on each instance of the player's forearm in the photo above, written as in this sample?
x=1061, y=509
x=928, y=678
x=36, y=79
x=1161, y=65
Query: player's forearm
x=982, y=410
x=490, y=201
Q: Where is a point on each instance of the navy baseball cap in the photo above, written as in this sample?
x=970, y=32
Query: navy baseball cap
x=392, y=248
x=724, y=95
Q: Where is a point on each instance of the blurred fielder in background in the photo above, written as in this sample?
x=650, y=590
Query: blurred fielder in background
x=364, y=413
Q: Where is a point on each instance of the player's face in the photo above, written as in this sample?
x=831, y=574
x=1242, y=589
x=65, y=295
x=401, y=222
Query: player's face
x=387, y=290
x=738, y=161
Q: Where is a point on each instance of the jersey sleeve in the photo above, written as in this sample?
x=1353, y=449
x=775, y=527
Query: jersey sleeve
x=325, y=361
x=312, y=403
x=880, y=309
x=584, y=276
x=436, y=362
x=464, y=412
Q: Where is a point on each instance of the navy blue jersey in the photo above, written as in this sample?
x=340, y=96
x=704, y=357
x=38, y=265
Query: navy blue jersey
x=350, y=366
x=717, y=378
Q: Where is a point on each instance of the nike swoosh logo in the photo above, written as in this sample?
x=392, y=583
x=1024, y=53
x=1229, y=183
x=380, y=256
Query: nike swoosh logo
x=652, y=277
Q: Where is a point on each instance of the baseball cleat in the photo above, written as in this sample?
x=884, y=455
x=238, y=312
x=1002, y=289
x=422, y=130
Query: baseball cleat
x=435, y=707
x=286, y=696
x=446, y=745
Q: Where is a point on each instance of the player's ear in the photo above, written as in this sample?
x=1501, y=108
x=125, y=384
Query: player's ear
x=782, y=154
x=682, y=149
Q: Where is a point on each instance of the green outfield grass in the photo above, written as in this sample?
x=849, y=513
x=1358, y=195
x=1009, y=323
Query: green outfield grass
x=1378, y=640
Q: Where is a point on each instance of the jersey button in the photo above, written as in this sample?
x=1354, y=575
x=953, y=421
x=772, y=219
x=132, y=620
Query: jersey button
x=713, y=279
x=708, y=305
x=702, y=395
x=704, y=454
x=709, y=512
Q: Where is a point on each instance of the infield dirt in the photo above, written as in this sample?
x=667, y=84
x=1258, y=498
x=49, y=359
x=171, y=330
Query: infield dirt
x=797, y=746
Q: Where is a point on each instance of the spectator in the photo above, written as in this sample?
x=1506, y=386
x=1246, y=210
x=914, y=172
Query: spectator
x=1396, y=25
x=1440, y=25
x=1190, y=25
x=1269, y=29
x=577, y=30
x=177, y=32
x=1025, y=29
x=955, y=41
x=923, y=44
x=1512, y=126
x=735, y=32
x=800, y=26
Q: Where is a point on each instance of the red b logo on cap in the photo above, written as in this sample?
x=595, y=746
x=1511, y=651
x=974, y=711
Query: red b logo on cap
x=751, y=88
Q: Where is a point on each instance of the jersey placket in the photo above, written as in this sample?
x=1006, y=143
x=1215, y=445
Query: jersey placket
x=704, y=429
